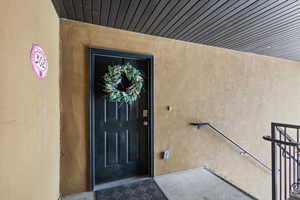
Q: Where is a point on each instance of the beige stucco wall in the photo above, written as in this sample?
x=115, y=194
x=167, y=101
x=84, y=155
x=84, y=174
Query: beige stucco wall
x=240, y=93
x=29, y=108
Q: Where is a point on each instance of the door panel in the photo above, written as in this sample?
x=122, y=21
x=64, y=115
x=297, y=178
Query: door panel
x=120, y=138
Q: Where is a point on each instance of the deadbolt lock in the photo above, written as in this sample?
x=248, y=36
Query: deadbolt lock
x=145, y=113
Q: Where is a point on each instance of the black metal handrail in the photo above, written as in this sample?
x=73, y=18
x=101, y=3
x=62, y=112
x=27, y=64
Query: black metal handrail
x=285, y=160
x=281, y=144
x=243, y=151
x=288, y=137
x=269, y=138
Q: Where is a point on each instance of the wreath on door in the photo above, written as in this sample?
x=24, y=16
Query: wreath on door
x=113, y=78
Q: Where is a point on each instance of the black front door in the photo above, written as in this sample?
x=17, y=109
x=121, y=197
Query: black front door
x=121, y=136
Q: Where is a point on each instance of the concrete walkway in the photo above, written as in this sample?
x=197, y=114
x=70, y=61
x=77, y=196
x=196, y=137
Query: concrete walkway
x=193, y=184
x=80, y=196
x=198, y=184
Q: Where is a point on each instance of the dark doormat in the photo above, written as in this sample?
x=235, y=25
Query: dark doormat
x=142, y=190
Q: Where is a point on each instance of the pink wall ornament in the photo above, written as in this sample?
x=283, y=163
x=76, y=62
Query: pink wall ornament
x=39, y=61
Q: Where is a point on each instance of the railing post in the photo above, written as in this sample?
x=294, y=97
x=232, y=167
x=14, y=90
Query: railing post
x=273, y=150
x=298, y=166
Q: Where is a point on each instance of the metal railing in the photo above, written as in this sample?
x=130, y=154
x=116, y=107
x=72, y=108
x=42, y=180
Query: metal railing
x=285, y=148
x=243, y=151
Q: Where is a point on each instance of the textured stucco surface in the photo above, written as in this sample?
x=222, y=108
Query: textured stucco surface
x=239, y=93
x=29, y=119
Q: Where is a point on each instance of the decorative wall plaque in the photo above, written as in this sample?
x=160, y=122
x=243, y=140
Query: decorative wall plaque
x=39, y=61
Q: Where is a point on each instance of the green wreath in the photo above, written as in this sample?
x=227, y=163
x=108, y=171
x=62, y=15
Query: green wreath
x=113, y=78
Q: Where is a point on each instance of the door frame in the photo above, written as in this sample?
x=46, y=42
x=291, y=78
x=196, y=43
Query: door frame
x=92, y=52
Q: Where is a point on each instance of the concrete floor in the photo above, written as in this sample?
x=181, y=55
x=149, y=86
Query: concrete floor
x=198, y=184
x=80, y=196
x=193, y=184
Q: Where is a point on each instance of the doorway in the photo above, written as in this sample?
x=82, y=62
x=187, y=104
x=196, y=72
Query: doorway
x=121, y=134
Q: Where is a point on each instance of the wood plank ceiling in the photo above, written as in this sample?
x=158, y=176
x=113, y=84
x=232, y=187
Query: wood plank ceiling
x=267, y=27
